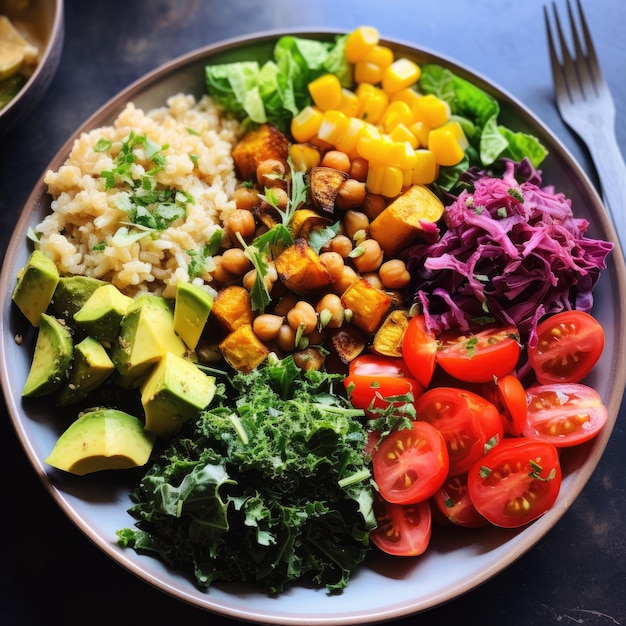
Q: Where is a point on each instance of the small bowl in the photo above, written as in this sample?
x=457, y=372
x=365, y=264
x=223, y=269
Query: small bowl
x=43, y=21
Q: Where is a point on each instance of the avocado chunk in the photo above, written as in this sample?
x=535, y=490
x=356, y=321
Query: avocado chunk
x=102, y=439
x=146, y=334
x=102, y=313
x=175, y=391
x=36, y=283
x=52, y=358
x=191, y=312
x=91, y=366
x=70, y=295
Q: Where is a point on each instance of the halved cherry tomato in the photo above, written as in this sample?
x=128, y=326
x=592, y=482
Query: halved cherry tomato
x=568, y=345
x=453, y=501
x=411, y=464
x=403, y=529
x=516, y=482
x=373, y=379
x=478, y=357
x=509, y=396
x=564, y=414
x=419, y=349
x=466, y=420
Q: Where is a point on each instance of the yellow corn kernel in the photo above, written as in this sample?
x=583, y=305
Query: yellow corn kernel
x=402, y=73
x=348, y=140
x=389, y=152
x=457, y=129
x=373, y=102
x=334, y=124
x=326, y=92
x=407, y=178
x=408, y=95
x=368, y=141
x=305, y=125
x=432, y=110
x=397, y=112
x=426, y=169
x=421, y=131
x=349, y=103
x=361, y=41
x=304, y=156
x=375, y=176
x=379, y=55
x=446, y=145
x=393, y=179
x=367, y=72
x=408, y=159
x=401, y=132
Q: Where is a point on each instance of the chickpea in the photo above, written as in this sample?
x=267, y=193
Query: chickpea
x=285, y=304
x=267, y=326
x=337, y=160
x=240, y=221
x=317, y=337
x=309, y=359
x=330, y=310
x=351, y=194
x=246, y=198
x=359, y=167
x=286, y=338
x=373, y=205
x=271, y=173
x=249, y=278
x=303, y=316
x=355, y=224
x=220, y=273
x=333, y=262
x=394, y=274
x=280, y=197
x=340, y=244
x=347, y=278
x=235, y=261
x=374, y=280
x=367, y=256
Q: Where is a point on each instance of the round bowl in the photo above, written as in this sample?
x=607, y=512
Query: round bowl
x=384, y=588
x=43, y=20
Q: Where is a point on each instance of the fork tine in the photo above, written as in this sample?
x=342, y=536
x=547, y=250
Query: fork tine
x=580, y=56
x=557, y=75
x=592, y=59
x=568, y=68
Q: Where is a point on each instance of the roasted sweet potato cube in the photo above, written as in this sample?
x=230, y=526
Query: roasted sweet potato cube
x=388, y=338
x=368, y=304
x=232, y=307
x=347, y=342
x=265, y=142
x=401, y=222
x=324, y=184
x=243, y=350
x=305, y=220
x=300, y=269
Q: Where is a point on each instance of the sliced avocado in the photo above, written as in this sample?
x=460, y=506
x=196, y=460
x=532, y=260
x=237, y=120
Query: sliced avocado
x=91, y=366
x=70, y=295
x=102, y=439
x=52, y=358
x=191, y=312
x=174, y=392
x=36, y=283
x=146, y=334
x=102, y=313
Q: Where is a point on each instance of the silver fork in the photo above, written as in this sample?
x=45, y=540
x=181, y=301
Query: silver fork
x=586, y=105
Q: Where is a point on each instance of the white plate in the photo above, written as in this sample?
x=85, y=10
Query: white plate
x=384, y=588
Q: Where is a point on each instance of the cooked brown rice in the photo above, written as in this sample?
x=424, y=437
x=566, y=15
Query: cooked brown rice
x=79, y=232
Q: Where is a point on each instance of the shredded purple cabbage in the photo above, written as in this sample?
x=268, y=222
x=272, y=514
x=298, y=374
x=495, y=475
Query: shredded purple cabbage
x=512, y=251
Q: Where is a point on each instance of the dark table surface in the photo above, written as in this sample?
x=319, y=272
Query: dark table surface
x=49, y=571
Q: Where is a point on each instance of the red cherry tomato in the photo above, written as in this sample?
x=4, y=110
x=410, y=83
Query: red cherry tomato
x=466, y=420
x=411, y=464
x=419, y=350
x=516, y=482
x=564, y=414
x=479, y=357
x=568, y=345
x=403, y=529
x=373, y=379
x=509, y=396
x=453, y=501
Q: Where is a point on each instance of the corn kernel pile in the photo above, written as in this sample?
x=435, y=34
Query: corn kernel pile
x=404, y=136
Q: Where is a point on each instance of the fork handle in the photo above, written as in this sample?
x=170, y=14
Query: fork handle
x=611, y=170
